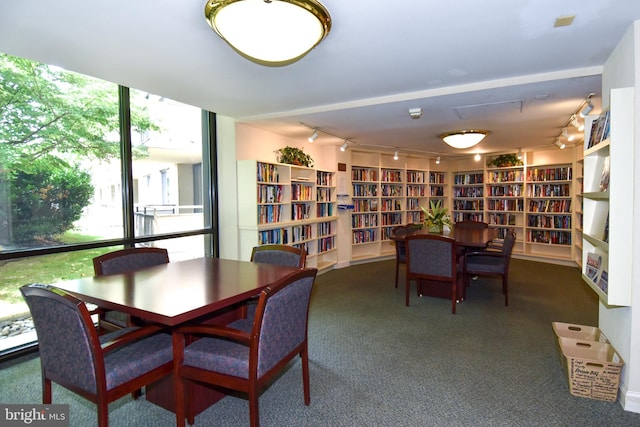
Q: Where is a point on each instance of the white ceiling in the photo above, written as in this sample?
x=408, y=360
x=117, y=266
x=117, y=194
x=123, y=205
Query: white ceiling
x=504, y=58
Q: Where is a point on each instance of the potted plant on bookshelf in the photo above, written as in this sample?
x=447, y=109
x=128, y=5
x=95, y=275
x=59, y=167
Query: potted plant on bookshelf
x=294, y=156
x=504, y=161
x=436, y=217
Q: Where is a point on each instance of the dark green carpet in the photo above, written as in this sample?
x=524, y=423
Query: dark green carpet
x=375, y=362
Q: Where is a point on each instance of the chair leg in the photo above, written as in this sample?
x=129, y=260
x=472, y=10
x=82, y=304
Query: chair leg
x=505, y=290
x=397, y=270
x=453, y=297
x=406, y=291
x=254, y=420
x=304, y=354
x=103, y=413
x=46, y=390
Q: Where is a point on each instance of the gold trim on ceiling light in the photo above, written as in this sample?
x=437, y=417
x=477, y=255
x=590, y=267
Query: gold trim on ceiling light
x=269, y=32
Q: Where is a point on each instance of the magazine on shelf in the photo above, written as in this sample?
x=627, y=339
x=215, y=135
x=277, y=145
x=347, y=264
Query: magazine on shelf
x=594, y=264
x=603, y=282
x=604, y=179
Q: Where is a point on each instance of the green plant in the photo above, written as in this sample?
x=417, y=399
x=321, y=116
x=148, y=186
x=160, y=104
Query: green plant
x=436, y=215
x=505, y=160
x=294, y=156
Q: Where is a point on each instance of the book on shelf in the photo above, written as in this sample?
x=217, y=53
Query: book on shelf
x=594, y=265
x=599, y=129
x=605, y=235
x=603, y=281
x=604, y=178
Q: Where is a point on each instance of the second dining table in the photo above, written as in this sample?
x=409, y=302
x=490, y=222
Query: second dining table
x=196, y=290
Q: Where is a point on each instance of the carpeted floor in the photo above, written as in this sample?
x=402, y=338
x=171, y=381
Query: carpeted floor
x=375, y=362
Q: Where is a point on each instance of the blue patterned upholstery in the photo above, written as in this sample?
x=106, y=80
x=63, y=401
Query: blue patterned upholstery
x=432, y=259
x=71, y=354
x=132, y=259
x=276, y=334
x=124, y=261
x=279, y=255
x=491, y=263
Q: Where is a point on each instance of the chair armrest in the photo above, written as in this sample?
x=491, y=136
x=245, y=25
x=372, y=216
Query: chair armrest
x=134, y=335
x=217, y=331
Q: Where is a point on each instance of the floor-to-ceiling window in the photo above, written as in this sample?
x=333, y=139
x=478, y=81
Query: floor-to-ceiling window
x=87, y=166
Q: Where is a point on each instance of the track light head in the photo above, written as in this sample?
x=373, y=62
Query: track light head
x=587, y=108
x=438, y=160
x=344, y=146
x=395, y=154
x=313, y=136
x=520, y=156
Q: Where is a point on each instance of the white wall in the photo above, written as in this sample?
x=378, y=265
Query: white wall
x=621, y=325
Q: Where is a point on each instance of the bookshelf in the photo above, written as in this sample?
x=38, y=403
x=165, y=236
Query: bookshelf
x=505, y=202
x=468, y=196
x=608, y=210
x=549, y=219
x=288, y=204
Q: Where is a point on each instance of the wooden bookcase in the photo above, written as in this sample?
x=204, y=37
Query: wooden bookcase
x=505, y=202
x=468, y=196
x=608, y=210
x=288, y=204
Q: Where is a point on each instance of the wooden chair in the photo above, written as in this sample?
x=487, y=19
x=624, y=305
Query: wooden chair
x=400, y=232
x=489, y=263
x=100, y=369
x=247, y=354
x=123, y=261
x=280, y=255
x=431, y=260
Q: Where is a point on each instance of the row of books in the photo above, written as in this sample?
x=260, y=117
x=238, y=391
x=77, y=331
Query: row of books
x=468, y=192
x=323, y=194
x=365, y=190
x=300, y=211
x=270, y=193
x=270, y=237
x=365, y=205
x=549, y=221
x=467, y=216
x=324, y=178
x=301, y=192
x=364, y=220
x=550, y=174
x=468, y=179
x=599, y=129
x=301, y=232
x=436, y=178
x=326, y=244
x=391, y=176
x=512, y=190
x=549, y=190
x=392, y=190
x=502, y=219
x=324, y=229
x=417, y=190
x=364, y=174
x=364, y=236
x=437, y=191
x=268, y=173
x=324, y=209
x=549, y=237
x=505, y=176
x=390, y=205
x=468, y=205
x=516, y=205
x=391, y=219
x=269, y=213
x=550, y=205
x=414, y=176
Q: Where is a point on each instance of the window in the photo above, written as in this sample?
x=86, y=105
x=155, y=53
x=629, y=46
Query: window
x=73, y=186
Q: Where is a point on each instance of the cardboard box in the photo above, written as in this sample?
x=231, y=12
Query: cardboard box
x=580, y=332
x=593, y=368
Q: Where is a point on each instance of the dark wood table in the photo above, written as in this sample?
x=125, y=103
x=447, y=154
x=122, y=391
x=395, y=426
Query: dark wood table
x=204, y=289
x=464, y=237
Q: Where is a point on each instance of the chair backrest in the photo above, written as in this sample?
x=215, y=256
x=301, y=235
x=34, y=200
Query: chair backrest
x=286, y=255
x=413, y=227
x=281, y=319
x=400, y=232
x=431, y=256
x=476, y=225
x=129, y=259
x=67, y=339
x=507, y=245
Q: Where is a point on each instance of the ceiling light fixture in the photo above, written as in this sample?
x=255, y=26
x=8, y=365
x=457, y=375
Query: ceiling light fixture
x=415, y=113
x=395, y=154
x=559, y=144
x=520, y=156
x=438, y=160
x=588, y=107
x=344, y=146
x=313, y=136
x=269, y=32
x=464, y=138
x=477, y=157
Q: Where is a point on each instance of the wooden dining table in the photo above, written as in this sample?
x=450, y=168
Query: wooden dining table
x=464, y=237
x=209, y=290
